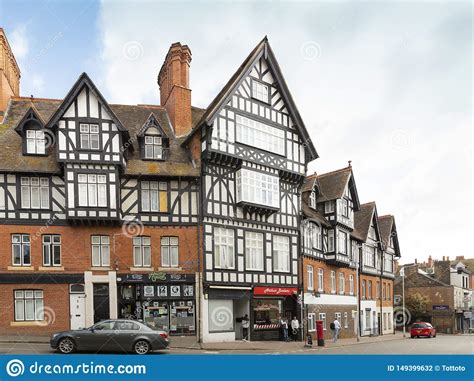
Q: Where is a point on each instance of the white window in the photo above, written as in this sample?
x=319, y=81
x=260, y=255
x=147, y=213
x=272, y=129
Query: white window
x=329, y=207
x=310, y=276
x=100, y=250
x=343, y=207
x=153, y=147
x=311, y=322
x=322, y=316
x=312, y=199
x=320, y=280
x=316, y=236
x=92, y=190
x=363, y=289
x=169, y=252
x=254, y=251
x=351, y=284
x=346, y=320
x=35, y=192
x=154, y=196
x=260, y=135
x=29, y=305
x=224, y=248
x=141, y=252
x=35, y=142
x=21, y=254
x=89, y=136
x=258, y=188
x=342, y=244
x=281, y=253
x=52, y=250
x=369, y=256
x=342, y=284
x=337, y=316
x=389, y=325
x=260, y=91
x=333, y=282
x=330, y=241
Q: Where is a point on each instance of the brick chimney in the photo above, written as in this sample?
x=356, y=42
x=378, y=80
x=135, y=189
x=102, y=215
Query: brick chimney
x=9, y=74
x=430, y=261
x=175, y=94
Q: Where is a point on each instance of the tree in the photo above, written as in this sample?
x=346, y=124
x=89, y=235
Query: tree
x=417, y=305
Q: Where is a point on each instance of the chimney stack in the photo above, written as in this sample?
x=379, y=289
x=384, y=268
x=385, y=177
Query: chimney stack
x=430, y=261
x=9, y=74
x=175, y=94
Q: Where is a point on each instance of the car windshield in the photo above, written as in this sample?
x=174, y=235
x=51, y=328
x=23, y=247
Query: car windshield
x=420, y=325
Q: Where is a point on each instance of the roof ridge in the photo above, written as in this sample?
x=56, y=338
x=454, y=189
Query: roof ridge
x=18, y=97
x=334, y=171
x=386, y=216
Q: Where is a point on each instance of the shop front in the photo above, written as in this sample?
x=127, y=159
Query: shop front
x=161, y=300
x=268, y=306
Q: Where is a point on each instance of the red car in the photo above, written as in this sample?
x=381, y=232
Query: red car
x=422, y=329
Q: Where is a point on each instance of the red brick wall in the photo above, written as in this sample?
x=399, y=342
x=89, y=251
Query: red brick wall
x=327, y=275
x=76, y=247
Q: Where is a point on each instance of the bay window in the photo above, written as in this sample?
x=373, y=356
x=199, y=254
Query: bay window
x=260, y=135
x=258, y=188
x=35, y=192
x=281, y=253
x=254, y=251
x=224, y=248
x=92, y=190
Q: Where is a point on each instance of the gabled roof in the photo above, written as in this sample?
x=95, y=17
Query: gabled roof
x=362, y=220
x=30, y=115
x=262, y=49
x=313, y=215
x=152, y=121
x=82, y=81
x=388, y=228
x=309, y=183
x=333, y=184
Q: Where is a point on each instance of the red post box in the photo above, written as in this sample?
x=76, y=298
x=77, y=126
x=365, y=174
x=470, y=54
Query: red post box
x=320, y=333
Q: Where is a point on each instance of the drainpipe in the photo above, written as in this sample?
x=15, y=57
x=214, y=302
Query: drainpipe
x=380, y=292
x=359, y=250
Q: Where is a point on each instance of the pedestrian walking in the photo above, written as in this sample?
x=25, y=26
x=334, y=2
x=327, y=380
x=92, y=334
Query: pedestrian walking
x=284, y=328
x=335, y=328
x=245, y=327
x=295, y=326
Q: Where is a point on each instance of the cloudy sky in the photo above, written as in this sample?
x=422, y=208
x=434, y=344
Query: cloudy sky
x=387, y=85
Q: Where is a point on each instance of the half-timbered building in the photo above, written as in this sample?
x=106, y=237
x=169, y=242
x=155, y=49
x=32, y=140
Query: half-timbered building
x=254, y=149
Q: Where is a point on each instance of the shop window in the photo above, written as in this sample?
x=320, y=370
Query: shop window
x=266, y=312
x=254, y=251
x=51, y=250
x=169, y=252
x=224, y=248
x=141, y=252
x=281, y=253
x=322, y=317
x=311, y=322
x=21, y=255
x=100, y=250
x=221, y=315
x=154, y=196
x=29, y=305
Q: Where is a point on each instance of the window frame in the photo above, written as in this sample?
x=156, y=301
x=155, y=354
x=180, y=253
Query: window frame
x=253, y=82
x=311, y=322
x=170, y=244
x=96, y=189
x=104, y=242
x=224, y=238
x=331, y=241
x=320, y=279
x=342, y=283
x=252, y=185
x=310, y=277
x=156, y=146
x=22, y=244
x=277, y=254
x=250, y=247
x=148, y=191
x=322, y=317
x=333, y=282
x=87, y=134
x=351, y=284
x=38, y=308
x=35, y=140
x=51, y=246
x=139, y=244
x=42, y=189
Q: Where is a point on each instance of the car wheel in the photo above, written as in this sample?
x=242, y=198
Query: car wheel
x=141, y=347
x=412, y=336
x=66, y=346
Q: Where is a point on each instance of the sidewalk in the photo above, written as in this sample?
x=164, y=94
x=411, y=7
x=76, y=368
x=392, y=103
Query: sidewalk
x=189, y=342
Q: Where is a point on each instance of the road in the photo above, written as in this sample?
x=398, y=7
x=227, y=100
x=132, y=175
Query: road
x=442, y=344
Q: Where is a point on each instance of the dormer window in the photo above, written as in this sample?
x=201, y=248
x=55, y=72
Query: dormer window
x=312, y=200
x=89, y=136
x=153, y=147
x=260, y=91
x=35, y=142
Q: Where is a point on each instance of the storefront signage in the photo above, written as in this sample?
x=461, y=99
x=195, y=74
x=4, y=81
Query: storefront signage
x=275, y=291
x=155, y=277
x=440, y=307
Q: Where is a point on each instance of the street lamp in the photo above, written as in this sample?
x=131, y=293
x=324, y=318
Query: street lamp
x=402, y=274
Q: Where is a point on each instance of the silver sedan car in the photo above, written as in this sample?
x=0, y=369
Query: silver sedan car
x=111, y=336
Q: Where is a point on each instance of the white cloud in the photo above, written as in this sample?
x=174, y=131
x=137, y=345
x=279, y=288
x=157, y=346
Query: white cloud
x=18, y=39
x=389, y=90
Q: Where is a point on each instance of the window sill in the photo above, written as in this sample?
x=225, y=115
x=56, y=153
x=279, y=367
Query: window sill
x=28, y=323
x=51, y=268
x=142, y=269
x=100, y=268
x=21, y=268
x=170, y=269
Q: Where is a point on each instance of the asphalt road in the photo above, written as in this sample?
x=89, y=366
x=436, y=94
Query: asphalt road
x=442, y=344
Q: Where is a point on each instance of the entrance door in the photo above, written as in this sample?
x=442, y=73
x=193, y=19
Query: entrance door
x=101, y=302
x=77, y=310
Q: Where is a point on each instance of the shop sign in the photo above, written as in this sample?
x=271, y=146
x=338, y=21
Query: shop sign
x=155, y=277
x=275, y=291
x=440, y=307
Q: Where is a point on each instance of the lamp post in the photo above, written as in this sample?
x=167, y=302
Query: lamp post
x=402, y=274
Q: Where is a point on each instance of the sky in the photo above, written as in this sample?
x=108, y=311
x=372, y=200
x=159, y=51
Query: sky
x=387, y=85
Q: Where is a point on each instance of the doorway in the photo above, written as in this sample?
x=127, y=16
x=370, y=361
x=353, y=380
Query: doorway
x=77, y=306
x=101, y=302
x=241, y=308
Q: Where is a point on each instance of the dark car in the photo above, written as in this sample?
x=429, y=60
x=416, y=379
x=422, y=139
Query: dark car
x=422, y=329
x=111, y=335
